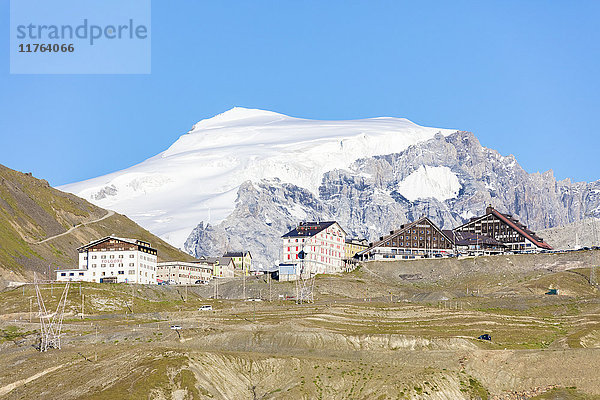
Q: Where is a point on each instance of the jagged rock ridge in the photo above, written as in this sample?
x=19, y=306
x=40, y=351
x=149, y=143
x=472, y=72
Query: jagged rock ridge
x=366, y=198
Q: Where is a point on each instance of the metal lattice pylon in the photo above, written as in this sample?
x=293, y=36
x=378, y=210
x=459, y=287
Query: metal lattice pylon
x=50, y=323
x=305, y=285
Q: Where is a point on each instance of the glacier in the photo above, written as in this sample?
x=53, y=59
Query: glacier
x=198, y=177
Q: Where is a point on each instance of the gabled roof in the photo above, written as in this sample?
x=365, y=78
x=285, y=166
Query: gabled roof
x=215, y=260
x=470, y=238
x=225, y=260
x=309, y=229
x=124, y=240
x=513, y=223
x=237, y=254
x=402, y=231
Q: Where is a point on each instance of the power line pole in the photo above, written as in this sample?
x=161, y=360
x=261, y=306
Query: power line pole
x=270, y=297
x=132, y=300
x=186, y=286
x=96, y=345
x=593, y=267
x=244, y=286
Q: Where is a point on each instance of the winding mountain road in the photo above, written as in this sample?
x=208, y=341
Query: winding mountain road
x=110, y=213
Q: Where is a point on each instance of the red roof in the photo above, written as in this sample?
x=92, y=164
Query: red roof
x=535, y=240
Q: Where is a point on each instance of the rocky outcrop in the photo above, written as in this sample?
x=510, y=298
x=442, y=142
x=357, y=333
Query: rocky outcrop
x=368, y=200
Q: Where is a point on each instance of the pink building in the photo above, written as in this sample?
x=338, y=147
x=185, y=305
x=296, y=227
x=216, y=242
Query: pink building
x=315, y=248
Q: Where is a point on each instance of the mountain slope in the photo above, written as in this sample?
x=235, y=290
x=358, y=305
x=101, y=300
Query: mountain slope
x=585, y=232
x=41, y=226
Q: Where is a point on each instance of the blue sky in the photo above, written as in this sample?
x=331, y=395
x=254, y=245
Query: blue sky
x=523, y=76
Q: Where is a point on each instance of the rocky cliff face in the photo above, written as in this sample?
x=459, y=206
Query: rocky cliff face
x=448, y=178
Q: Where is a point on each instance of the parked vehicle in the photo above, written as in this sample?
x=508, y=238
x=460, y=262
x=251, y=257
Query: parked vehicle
x=176, y=327
x=206, y=307
x=485, y=336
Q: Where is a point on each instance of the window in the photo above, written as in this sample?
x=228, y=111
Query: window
x=120, y=255
x=71, y=274
x=93, y=257
x=103, y=257
x=131, y=256
x=131, y=264
x=85, y=257
x=63, y=274
x=81, y=274
x=121, y=272
x=103, y=265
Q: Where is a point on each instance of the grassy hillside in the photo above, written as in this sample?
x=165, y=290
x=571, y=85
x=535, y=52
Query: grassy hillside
x=31, y=211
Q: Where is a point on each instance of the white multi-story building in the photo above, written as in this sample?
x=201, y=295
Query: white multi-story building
x=315, y=248
x=114, y=260
x=183, y=273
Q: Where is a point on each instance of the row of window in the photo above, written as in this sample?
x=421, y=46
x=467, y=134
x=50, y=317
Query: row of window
x=113, y=265
x=103, y=257
x=70, y=274
x=421, y=238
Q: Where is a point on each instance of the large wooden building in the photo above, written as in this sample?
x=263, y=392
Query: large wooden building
x=419, y=239
x=505, y=229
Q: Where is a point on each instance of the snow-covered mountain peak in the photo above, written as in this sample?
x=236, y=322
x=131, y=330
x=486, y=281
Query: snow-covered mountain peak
x=235, y=116
x=197, y=178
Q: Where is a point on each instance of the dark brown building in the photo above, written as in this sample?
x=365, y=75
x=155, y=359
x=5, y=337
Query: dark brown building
x=504, y=229
x=418, y=239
